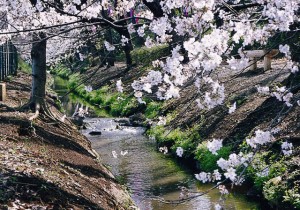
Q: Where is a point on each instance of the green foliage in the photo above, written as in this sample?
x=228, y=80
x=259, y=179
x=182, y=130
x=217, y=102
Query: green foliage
x=207, y=160
x=24, y=66
x=275, y=169
x=176, y=138
x=153, y=109
x=145, y=55
x=273, y=190
x=292, y=196
x=61, y=70
x=158, y=132
x=123, y=107
x=114, y=103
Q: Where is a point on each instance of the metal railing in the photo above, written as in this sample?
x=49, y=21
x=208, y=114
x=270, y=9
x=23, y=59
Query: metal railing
x=8, y=60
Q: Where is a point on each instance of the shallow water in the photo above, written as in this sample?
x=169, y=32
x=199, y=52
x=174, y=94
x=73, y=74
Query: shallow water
x=148, y=174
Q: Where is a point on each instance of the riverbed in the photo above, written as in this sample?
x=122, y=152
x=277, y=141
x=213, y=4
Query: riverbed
x=150, y=176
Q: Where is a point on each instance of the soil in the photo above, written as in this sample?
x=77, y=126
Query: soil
x=254, y=111
x=46, y=165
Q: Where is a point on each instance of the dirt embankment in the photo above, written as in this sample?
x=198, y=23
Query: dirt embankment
x=254, y=110
x=45, y=165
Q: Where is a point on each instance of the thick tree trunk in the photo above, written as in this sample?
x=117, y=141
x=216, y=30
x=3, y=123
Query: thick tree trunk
x=155, y=8
x=38, y=59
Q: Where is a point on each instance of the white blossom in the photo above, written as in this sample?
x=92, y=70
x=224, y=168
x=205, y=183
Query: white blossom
x=124, y=40
x=119, y=86
x=223, y=164
x=223, y=190
x=109, y=46
x=202, y=176
x=179, y=151
x=216, y=175
x=260, y=138
x=163, y=150
x=88, y=88
x=214, y=145
x=265, y=90
x=230, y=173
x=232, y=108
x=287, y=148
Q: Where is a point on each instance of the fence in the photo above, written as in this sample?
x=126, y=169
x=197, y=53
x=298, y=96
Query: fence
x=8, y=60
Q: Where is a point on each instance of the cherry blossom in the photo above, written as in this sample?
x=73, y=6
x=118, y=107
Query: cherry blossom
x=260, y=138
x=287, y=148
x=179, y=151
x=88, y=88
x=119, y=86
x=109, y=46
x=214, y=145
x=232, y=108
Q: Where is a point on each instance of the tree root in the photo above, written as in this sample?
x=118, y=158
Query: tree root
x=36, y=114
x=40, y=110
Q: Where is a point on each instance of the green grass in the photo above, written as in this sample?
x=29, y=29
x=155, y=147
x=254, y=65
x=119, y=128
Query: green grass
x=61, y=71
x=145, y=56
x=24, y=66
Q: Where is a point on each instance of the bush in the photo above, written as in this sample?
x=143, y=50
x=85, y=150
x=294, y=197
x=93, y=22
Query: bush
x=153, y=109
x=207, y=160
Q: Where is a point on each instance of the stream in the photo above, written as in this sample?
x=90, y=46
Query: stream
x=147, y=173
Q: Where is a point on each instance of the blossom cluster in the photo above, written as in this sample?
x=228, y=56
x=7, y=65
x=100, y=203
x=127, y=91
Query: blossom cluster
x=287, y=148
x=260, y=138
x=211, y=98
x=214, y=145
x=209, y=177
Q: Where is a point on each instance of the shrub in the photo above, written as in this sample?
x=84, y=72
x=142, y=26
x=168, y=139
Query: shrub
x=207, y=160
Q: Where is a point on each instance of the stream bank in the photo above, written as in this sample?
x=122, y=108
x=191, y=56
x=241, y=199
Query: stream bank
x=190, y=128
x=46, y=165
x=148, y=174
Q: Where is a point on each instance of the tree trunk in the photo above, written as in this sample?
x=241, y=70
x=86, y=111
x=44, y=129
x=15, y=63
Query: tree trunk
x=127, y=48
x=38, y=57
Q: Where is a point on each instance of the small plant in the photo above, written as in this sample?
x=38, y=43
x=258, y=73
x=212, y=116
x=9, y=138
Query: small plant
x=207, y=160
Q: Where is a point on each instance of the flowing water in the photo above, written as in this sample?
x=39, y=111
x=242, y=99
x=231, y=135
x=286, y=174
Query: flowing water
x=148, y=174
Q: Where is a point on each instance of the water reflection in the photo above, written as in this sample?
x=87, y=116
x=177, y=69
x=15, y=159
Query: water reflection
x=149, y=174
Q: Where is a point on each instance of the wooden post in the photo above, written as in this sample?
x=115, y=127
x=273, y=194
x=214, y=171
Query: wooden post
x=269, y=54
x=253, y=63
x=267, y=63
x=2, y=92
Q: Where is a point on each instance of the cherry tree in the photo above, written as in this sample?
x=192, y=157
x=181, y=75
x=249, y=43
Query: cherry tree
x=65, y=25
x=201, y=35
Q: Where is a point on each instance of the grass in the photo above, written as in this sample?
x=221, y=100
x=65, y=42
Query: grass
x=24, y=66
x=145, y=56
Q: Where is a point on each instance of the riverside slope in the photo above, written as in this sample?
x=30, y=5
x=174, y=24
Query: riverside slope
x=50, y=166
